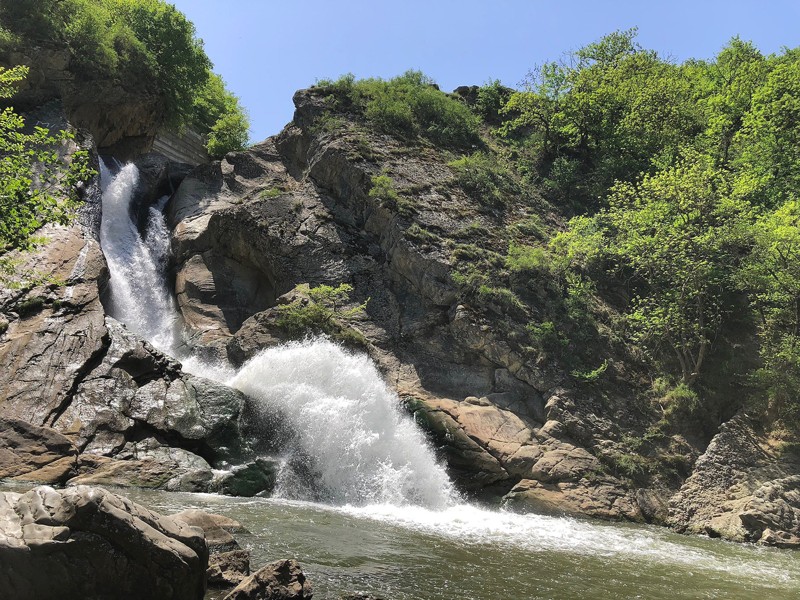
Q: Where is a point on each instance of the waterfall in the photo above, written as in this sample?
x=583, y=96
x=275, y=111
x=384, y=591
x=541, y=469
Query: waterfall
x=139, y=294
x=347, y=429
x=342, y=413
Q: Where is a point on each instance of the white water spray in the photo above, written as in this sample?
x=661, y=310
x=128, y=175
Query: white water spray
x=343, y=414
x=362, y=449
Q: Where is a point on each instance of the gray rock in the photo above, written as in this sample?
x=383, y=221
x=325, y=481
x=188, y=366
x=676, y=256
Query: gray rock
x=32, y=453
x=741, y=490
x=228, y=569
x=86, y=542
x=280, y=580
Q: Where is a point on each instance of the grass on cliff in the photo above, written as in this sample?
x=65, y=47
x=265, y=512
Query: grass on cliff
x=406, y=106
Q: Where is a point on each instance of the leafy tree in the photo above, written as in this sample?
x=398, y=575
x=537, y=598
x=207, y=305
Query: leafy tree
x=730, y=83
x=608, y=111
x=677, y=234
x=36, y=186
x=769, y=163
x=148, y=44
x=771, y=276
x=219, y=112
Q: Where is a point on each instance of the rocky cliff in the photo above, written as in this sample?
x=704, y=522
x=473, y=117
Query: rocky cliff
x=250, y=233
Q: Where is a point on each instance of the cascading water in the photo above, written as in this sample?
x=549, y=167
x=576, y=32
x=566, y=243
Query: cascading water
x=345, y=420
x=343, y=414
x=139, y=295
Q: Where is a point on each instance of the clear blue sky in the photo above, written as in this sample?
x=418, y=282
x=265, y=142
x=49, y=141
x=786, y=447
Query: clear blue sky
x=265, y=49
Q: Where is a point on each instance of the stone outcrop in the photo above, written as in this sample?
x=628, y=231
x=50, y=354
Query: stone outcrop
x=280, y=580
x=742, y=488
x=228, y=563
x=131, y=414
x=86, y=542
x=123, y=117
x=32, y=453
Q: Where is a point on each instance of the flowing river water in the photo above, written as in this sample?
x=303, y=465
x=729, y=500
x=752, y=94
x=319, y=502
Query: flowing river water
x=373, y=510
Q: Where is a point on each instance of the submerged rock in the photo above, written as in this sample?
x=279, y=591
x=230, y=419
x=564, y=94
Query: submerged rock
x=85, y=542
x=280, y=580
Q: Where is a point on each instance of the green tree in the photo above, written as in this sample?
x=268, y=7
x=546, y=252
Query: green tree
x=677, y=235
x=219, y=112
x=36, y=186
x=769, y=163
x=771, y=276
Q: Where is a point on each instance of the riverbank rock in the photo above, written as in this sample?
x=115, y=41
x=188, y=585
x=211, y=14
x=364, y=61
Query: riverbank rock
x=84, y=542
x=228, y=563
x=280, y=580
x=742, y=489
x=32, y=453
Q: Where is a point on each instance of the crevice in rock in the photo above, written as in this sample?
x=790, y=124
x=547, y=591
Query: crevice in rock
x=94, y=361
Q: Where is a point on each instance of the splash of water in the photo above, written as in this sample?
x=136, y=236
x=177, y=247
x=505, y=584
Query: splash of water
x=348, y=430
x=342, y=413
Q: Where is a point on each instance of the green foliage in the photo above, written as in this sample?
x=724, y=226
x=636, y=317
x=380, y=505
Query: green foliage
x=421, y=235
x=219, y=112
x=268, y=193
x=321, y=313
x=771, y=275
x=677, y=234
x=37, y=186
x=147, y=43
x=484, y=178
x=383, y=190
x=406, y=106
x=492, y=97
x=532, y=259
x=605, y=112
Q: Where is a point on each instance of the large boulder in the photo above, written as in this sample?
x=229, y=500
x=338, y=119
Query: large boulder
x=742, y=489
x=83, y=543
x=32, y=453
x=280, y=580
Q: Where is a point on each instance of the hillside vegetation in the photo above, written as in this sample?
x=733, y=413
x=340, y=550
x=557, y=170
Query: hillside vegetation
x=636, y=215
x=146, y=43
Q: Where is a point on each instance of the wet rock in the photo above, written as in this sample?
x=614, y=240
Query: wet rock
x=228, y=569
x=218, y=528
x=253, y=478
x=89, y=543
x=280, y=580
x=604, y=499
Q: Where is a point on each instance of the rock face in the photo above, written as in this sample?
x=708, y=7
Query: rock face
x=86, y=542
x=122, y=117
x=130, y=413
x=295, y=210
x=742, y=489
x=280, y=580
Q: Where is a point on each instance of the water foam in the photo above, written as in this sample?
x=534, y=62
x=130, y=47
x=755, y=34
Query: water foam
x=365, y=450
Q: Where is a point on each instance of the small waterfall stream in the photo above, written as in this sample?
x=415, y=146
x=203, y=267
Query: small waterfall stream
x=390, y=510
